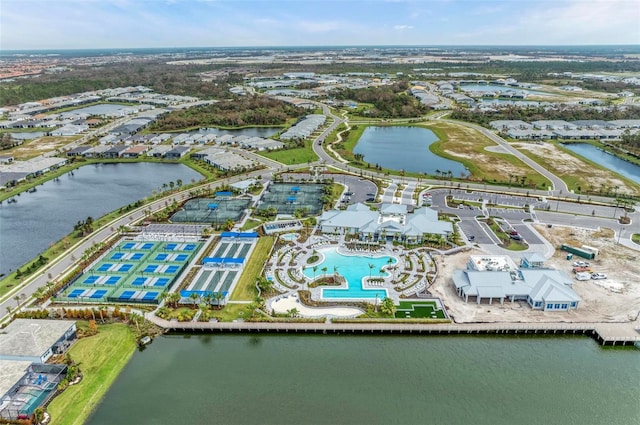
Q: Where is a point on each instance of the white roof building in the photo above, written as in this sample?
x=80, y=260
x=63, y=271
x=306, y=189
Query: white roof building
x=496, y=277
x=35, y=340
x=392, y=222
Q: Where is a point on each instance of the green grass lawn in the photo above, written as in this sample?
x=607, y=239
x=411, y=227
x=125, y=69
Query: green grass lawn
x=250, y=224
x=232, y=311
x=636, y=238
x=419, y=310
x=245, y=290
x=293, y=156
x=101, y=359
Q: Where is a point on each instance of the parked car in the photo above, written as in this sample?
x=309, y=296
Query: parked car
x=582, y=269
x=513, y=232
x=583, y=275
x=471, y=237
x=516, y=237
x=598, y=276
x=580, y=264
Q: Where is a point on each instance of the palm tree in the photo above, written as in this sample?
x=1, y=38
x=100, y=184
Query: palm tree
x=324, y=270
x=371, y=266
x=135, y=318
x=194, y=298
x=17, y=298
x=315, y=268
x=219, y=297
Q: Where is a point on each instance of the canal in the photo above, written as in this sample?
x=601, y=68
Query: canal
x=38, y=219
x=607, y=160
x=322, y=379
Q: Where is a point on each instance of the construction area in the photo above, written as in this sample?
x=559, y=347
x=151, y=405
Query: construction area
x=614, y=299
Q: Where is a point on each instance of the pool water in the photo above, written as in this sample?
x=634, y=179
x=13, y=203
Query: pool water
x=353, y=268
x=289, y=236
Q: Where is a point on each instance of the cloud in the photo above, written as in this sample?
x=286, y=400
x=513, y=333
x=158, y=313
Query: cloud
x=402, y=27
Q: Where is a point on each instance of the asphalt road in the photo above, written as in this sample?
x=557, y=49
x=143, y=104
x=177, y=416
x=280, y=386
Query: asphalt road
x=569, y=213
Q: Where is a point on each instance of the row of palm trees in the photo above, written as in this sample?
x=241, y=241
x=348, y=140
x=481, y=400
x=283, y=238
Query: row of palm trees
x=173, y=298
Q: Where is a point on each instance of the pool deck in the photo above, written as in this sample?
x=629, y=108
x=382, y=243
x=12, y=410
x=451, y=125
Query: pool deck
x=603, y=333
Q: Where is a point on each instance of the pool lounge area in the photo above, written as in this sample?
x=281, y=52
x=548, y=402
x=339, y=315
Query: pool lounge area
x=354, y=268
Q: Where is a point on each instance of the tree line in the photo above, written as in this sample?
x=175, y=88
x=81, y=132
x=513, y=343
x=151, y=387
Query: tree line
x=391, y=101
x=567, y=113
x=251, y=110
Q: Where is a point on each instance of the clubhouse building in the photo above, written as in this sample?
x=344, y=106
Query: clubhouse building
x=391, y=223
x=491, y=278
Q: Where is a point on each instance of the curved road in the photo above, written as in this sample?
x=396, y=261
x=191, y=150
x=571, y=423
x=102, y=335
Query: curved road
x=63, y=263
x=559, y=186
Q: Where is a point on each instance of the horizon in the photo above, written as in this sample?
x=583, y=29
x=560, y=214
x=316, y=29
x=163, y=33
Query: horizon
x=158, y=24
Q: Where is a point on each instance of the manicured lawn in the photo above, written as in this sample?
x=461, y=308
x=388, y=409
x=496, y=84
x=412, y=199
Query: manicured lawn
x=245, y=290
x=636, y=238
x=102, y=357
x=250, y=224
x=418, y=310
x=293, y=156
x=232, y=311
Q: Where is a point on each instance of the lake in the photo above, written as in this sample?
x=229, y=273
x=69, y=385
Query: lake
x=404, y=148
x=613, y=163
x=329, y=379
x=41, y=218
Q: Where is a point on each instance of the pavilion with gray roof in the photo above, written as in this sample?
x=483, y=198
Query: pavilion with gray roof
x=489, y=278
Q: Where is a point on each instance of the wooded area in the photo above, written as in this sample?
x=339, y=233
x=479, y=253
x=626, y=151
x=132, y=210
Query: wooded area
x=251, y=110
x=568, y=113
x=388, y=101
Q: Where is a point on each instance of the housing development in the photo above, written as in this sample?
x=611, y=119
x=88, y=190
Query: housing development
x=355, y=190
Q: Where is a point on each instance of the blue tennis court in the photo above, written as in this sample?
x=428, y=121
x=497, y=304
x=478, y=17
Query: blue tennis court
x=161, y=281
x=147, y=246
x=91, y=279
x=139, y=281
x=104, y=267
x=125, y=267
x=126, y=295
x=117, y=255
x=137, y=256
x=171, y=246
x=76, y=293
x=99, y=293
x=172, y=269
x=150, y=268
x=150, y=296
x=112, y=280
x=128, y=245
x=190, y=247
x=181, y=257
x=161, y=257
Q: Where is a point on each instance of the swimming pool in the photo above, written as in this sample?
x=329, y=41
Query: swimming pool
x=353, y=268
x=289, y=236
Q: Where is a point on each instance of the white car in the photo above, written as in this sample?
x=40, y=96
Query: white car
x=583, y=276
x=598, y=276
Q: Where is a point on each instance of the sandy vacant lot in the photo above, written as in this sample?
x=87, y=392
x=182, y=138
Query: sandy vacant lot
x=563, y=164
x=615, y=299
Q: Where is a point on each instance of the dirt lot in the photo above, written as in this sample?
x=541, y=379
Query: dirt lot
x=33, y=148
x=563, y=164
x=614, y=299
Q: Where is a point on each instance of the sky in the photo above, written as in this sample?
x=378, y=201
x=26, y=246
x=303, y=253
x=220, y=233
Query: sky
x=82, y=24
